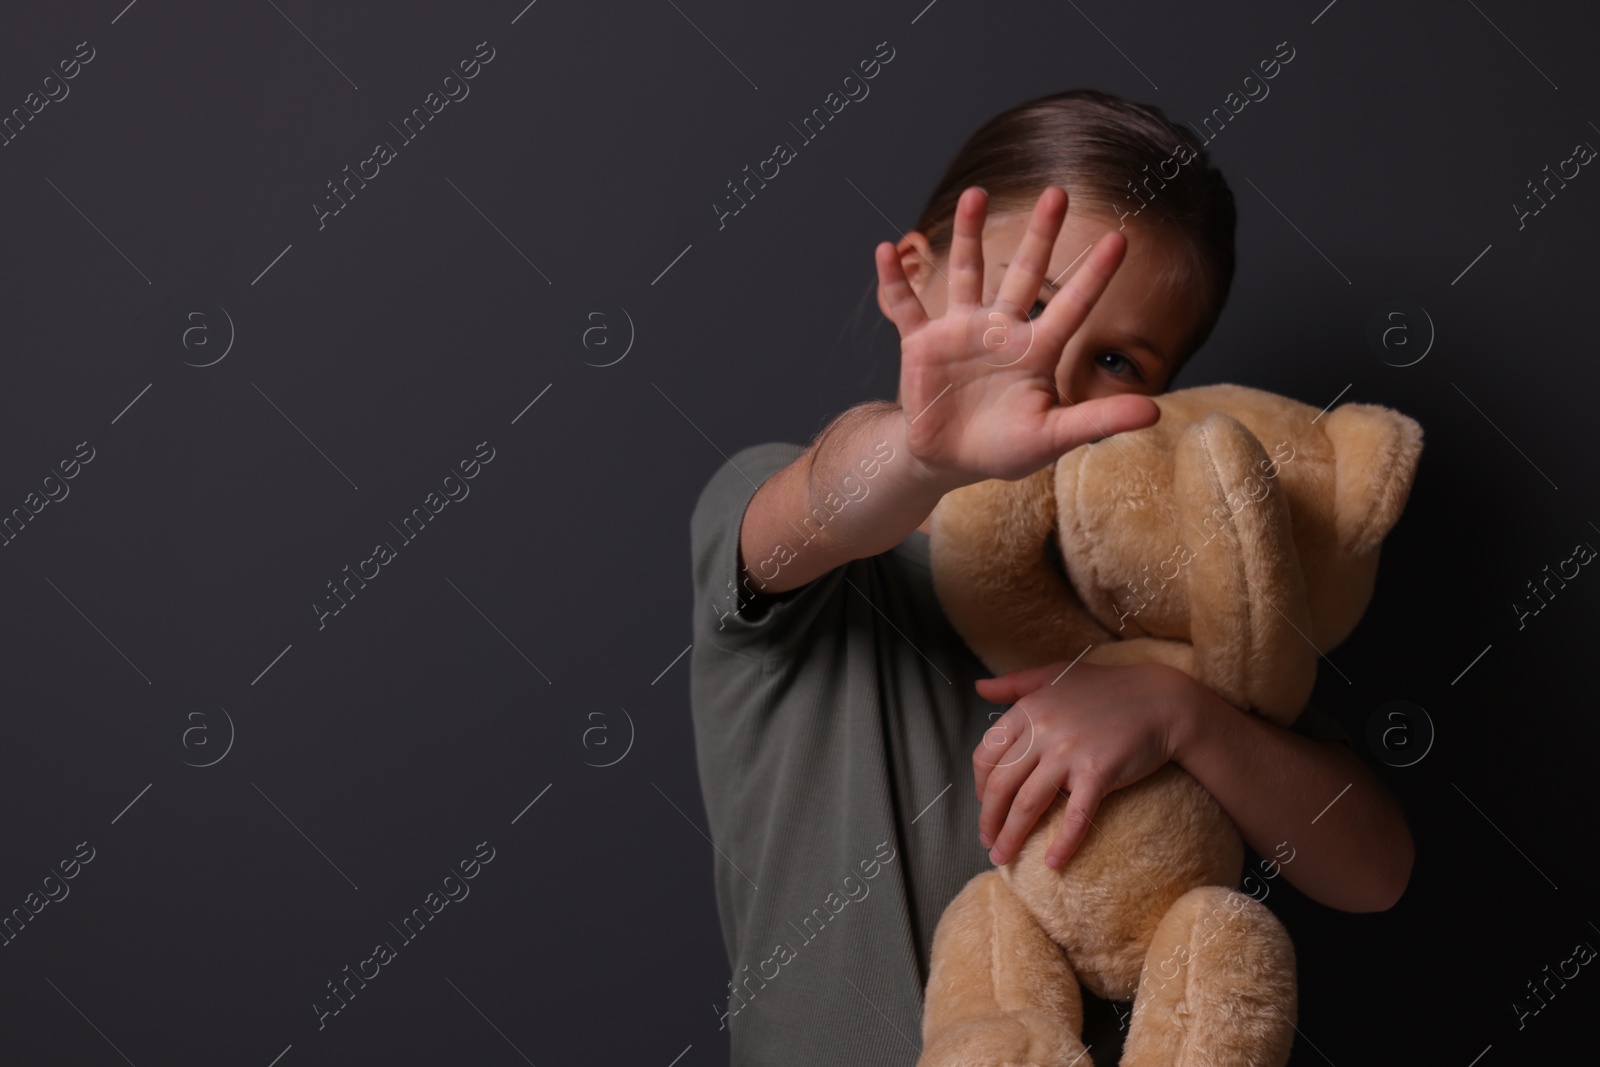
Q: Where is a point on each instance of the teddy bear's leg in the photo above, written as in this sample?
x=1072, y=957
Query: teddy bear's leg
x=1218, y=986
x=1000, y=992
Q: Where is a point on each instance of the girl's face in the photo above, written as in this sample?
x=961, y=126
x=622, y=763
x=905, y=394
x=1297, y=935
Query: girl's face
x=1130, y=341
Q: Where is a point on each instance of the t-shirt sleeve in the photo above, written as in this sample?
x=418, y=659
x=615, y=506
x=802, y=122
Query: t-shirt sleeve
x=730, y=611
x=1319, y=726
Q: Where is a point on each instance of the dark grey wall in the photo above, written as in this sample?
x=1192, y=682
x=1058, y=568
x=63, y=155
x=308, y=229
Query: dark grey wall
x=161, y=613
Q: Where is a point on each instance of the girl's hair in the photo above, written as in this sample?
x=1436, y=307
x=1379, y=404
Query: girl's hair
x=1114, y=157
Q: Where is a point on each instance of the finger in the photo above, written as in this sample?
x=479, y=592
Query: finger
x=1071, y=425
x=905, y=310
x=966, y=248
x=1010, y=688
x=988, y=753
x=1082, y=803
x=999, y=794
x=1065, y=311
x=1020, y=286
x=1030, y=801
x=1007, y=740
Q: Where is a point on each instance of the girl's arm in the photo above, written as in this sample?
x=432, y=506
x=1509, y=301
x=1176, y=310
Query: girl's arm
x=798, y=526
x=1352, y=848
x=1095, y=729
x=972, y=409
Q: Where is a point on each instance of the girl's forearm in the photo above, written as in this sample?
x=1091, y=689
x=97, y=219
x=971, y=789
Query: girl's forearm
x=855, y=492
x=1352, y=849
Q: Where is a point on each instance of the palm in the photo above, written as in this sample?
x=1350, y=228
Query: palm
x=978, y=383
x=971, y=411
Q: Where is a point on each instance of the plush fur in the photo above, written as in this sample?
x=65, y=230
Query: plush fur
x=1237, y=539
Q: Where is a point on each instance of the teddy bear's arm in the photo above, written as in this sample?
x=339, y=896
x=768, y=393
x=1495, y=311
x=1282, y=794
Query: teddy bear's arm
x=992, y=572
x=1250, y=618
x=1179, y=654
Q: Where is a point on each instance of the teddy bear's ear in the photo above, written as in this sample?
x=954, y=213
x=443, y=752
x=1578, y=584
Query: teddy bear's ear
x=1375, y=460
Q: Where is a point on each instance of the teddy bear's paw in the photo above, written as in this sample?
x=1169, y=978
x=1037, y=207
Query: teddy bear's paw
x=1007, y=1039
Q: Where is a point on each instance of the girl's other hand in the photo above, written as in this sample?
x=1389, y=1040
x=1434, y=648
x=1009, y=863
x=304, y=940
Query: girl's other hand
x=978, y=384
x=1087, y=730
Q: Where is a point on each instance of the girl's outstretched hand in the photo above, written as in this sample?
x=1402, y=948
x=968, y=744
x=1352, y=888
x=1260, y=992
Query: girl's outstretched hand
x=978, y=384
x=1084, y=728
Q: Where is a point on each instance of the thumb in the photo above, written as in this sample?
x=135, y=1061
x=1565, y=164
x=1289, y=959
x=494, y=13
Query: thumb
x=1087, y=421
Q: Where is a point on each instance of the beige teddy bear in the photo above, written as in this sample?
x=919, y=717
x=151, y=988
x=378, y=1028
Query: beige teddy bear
x=1190, y=543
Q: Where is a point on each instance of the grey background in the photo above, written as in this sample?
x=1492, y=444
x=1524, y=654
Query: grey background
x=470, y=678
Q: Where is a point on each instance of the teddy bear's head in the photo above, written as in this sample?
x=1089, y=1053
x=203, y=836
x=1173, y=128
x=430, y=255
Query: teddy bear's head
x=1242, y=529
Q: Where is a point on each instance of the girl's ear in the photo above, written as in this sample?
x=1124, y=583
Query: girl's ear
x=916, y=259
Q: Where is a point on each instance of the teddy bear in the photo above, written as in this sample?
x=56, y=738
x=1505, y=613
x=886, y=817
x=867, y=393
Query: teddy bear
x=1236, y=539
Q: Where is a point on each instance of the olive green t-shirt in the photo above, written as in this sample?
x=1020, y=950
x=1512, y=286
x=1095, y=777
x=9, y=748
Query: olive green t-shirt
x=834, y=730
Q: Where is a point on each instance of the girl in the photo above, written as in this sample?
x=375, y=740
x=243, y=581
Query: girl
x=837, y=714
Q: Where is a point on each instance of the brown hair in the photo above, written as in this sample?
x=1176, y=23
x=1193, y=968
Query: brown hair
x=1113, y=157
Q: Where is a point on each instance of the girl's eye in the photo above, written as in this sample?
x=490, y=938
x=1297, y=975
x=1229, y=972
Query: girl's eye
x=1119, y=364
x=1037, y=309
